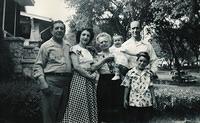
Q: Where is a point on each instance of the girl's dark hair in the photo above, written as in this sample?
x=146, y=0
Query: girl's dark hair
x=144, y=54
x=78, y=34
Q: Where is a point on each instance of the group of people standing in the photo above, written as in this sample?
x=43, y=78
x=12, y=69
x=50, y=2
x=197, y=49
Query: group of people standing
x=79, y=86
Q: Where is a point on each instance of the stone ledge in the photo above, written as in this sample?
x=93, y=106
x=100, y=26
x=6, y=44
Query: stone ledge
x=28, y=61
x=29, y=47
x=34, y=41
x=15, y=39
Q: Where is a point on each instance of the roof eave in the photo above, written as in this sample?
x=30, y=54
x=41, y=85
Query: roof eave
x=25, y=2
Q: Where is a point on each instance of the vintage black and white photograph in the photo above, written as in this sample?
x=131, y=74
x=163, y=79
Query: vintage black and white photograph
x=100, y=61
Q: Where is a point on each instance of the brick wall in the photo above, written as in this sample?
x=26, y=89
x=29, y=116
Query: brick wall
x=23, y=56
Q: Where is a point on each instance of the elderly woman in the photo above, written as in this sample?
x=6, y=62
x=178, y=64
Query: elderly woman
x=109, y=92
x=82, y=105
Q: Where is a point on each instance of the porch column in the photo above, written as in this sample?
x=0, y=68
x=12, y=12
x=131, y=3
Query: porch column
x=32, y=36
x=3, y=18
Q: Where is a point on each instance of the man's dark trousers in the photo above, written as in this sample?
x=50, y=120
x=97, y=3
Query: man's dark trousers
x=55, y=98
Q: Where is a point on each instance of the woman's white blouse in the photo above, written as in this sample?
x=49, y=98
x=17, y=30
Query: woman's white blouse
x=84, y=56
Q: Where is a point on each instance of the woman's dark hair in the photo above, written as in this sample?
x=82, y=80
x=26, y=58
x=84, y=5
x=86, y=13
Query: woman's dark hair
x=144, y=54
x=78, y=34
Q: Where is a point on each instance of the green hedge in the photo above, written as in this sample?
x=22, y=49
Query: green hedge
x=6, y=62
x=19, y=101
x=178, y=98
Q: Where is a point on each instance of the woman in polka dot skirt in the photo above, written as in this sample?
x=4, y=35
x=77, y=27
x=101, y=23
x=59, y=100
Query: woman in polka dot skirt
x=139, y=97
x=82, y=105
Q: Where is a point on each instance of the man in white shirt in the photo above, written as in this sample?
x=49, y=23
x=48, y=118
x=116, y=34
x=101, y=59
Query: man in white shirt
x=135, y=44
x=53, y=71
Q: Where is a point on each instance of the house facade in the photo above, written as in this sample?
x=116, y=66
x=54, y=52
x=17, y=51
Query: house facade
x=18, y=27
x=10, y=15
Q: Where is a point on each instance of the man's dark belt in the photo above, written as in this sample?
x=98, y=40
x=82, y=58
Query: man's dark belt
x=58, y=74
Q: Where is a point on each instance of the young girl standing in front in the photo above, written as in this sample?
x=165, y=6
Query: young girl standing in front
x=139, y=95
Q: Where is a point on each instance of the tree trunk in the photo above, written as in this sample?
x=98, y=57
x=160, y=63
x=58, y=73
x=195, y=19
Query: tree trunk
x=177, y=64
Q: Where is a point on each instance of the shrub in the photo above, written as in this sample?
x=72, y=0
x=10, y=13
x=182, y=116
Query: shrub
x=20, y=102
x=178, y=98
x=6, y=63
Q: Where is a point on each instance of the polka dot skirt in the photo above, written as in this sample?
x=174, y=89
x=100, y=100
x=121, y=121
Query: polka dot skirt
x=82, y=105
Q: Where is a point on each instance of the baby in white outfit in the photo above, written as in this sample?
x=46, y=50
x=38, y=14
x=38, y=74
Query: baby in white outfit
x=121, y=60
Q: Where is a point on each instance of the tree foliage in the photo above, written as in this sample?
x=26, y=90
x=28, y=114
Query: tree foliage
x=112, y=16
x=176, y=22
x=177, y=25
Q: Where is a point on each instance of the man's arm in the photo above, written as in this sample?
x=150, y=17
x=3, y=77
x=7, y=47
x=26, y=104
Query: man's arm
x=127, y=52
x=38, y=68
x=153, y=59
x=126, y=93
x=79, y=69
x=99, y=63
x=151, y=88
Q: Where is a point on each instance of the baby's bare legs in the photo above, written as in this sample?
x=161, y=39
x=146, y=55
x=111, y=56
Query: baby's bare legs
x=117, y=73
